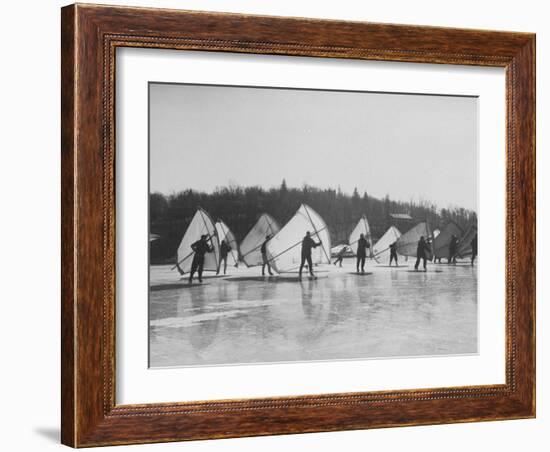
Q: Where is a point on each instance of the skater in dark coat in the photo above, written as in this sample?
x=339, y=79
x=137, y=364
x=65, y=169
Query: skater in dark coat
x=200, y=247
x=473, y=244
x=362, y=246
x=421, y=253
x=307, y=245
x=340, y=255
x=224, y=251
x=265, y=260
x=393, y=253
x=453, y=244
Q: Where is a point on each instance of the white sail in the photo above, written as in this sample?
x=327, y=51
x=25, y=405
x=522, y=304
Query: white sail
x=285, y=249
x=381, y=249
x=224, y=233
x=408, y=242
x=362, y=227
x=443, y=240
x=201, y=224
x=251, y=245
x=436, y=233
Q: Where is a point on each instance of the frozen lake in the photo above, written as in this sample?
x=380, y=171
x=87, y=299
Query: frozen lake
x=243, y=318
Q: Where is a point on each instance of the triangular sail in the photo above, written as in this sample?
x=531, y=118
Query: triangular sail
x=285, y=249
x=436, y=233
x=465, y=244
x=201, y=224
x=381, y=249
x=362, y=227
x=441, y=243
x=251, y=245
x=224, y=233
x=407, y=243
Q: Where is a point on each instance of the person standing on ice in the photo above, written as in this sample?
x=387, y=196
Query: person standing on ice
x=200, y=248
x=393, y=253
x=473, y=244
x=421, y=253
x=340, y=255
x=453, y=244
x=307, y=244
x=224, y=251
x=265, y=260
x=362, y=246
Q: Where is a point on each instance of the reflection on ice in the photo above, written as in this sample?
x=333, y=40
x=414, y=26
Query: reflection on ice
x=246, y=319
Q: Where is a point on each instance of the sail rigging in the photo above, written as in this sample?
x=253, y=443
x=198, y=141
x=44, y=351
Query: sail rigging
x=224, y=233
x=408, y=242
x=251, y=245
x=464, y=247
x=381, y=249
x=362, y=227
x=441, y=243
x=285, y=249
x=201, y=224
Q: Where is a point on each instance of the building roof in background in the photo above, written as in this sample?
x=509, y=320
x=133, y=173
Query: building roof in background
x=400, y=216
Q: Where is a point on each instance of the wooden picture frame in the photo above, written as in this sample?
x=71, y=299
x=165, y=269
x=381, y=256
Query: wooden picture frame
x=90, y=36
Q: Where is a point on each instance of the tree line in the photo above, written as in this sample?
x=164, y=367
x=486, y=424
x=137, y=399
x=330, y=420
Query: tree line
x=240, y=207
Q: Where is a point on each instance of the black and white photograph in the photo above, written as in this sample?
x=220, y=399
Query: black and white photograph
x=275, y=226
x=291, y=225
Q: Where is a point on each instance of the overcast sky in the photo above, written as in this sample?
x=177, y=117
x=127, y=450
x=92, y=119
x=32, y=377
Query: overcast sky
x=406, y=146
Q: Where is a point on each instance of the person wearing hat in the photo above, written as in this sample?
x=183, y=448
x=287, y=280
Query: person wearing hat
x=393, y=254
x=362, y=245
x=200, y=248
x=224, y=252
x=307, y=244
x=422, y=250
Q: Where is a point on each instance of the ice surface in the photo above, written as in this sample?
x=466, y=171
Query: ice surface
x=240, y=318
